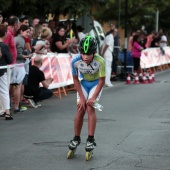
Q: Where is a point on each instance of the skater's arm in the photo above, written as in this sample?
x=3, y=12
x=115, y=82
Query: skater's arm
x=82, y=102
x=100, y=85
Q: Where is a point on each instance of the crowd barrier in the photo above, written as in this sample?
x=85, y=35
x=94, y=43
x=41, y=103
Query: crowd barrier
x=154, y=57
x=57, y=67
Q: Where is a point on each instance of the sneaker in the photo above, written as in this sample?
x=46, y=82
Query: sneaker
x=23, y=108
x=90, y=145
x=38, y=104
x=32, y=103
x=28, y=97
x=73, y=144
x=109, y=85
x=18, y=110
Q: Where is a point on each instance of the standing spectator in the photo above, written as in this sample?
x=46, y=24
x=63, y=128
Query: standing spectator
x=80, y=32
x=5, y=58
x=107, y=50
x=37, y=30
x=24, y=20
x=163, y=41
x=156, y=40
x=35, y=21
x=42, y=45
x=116, y=50
x=143, y=39
x=59, y=43
x=112, y=27
x=149, y=39
x=35, y=77
x=13, y=26
x=51, y=25
x=136, y=52
x=23, y=33
x=131, y=41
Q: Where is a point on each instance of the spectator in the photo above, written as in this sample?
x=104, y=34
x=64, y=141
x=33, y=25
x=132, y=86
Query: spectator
x=24, y=20
x=149, y=39
x=42, y=45
x=51, y=25
x=116, y=50
x=13, y=26
x=143, y=39
x=112, y=27
x=163, y=41
x=22, y=72
x=35, y=77
x=81, y=35
x=136, y=52
x=156, y=40
x=35, y=21
x=59, y=43
x=5, y=58
x=106, y=52
x=37, y=30
x=131, y=41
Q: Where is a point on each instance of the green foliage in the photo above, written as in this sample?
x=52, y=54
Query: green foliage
x=140, y=12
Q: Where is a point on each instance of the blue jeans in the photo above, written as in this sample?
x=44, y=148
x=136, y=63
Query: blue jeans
x=44, y=93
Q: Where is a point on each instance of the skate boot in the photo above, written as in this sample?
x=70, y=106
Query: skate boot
x=89, y=149
x=72, y=147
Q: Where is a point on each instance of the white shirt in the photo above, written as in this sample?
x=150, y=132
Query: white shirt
x=109, y=40
x=81, y=35
x=163, y=42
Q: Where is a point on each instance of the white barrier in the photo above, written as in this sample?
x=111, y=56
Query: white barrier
x=153, y=57
x=57, y=67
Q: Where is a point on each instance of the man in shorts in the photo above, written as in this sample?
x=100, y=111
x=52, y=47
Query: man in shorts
x=88, y=69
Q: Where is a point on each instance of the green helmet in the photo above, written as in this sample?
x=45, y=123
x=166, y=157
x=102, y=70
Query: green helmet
x=88, y=45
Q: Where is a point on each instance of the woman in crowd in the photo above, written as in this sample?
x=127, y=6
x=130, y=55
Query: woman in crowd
x=5, y=58
x=42, y=45
x=21, y=72
x=37, y=30
x=59, y=43
x=136, y=52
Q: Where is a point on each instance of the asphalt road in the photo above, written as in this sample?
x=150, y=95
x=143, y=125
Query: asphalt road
x=133, y=131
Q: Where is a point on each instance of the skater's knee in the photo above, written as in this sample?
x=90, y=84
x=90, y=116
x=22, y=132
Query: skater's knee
x=81, y=113
x=90, y=109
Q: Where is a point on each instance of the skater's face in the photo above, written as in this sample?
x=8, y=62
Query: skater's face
x=87, y=58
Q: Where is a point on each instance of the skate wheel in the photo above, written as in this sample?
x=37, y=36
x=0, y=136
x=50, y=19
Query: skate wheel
x=70, y=154
x=89, y=155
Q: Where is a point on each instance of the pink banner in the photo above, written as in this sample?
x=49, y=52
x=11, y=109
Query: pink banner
x=57, y=67
x=152, y=57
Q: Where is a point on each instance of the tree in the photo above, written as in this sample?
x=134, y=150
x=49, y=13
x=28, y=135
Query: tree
x=140, y=12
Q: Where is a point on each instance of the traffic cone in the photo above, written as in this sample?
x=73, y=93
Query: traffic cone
x=128, y=80
x=153, y=76
x=150, y=79
x=144, y=79
x=140, y=75
x=135, y=73
x=136, y=79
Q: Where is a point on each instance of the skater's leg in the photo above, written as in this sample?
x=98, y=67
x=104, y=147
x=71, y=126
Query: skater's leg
x=91, y=120
x=78, y=122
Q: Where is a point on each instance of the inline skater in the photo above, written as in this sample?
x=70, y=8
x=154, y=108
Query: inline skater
x=88, y=69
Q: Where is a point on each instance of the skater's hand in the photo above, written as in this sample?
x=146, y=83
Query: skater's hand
x=81, y=104
x=90, y=102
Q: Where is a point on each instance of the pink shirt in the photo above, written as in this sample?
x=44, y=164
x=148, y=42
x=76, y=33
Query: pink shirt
x=136, y=50
x=9, y=40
